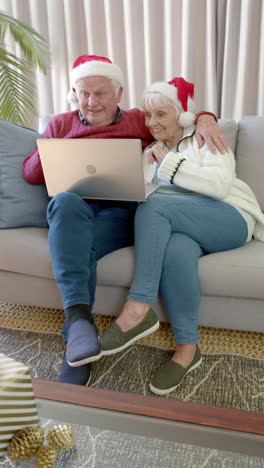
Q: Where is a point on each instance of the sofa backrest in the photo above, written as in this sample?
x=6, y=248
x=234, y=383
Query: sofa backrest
x=229, y=128
x=250, y=154
x=43, y=122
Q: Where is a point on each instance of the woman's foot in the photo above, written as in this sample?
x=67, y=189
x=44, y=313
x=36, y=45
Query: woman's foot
x=184, y=354
x=133, y=323
x=170, y=376
x=132, y=314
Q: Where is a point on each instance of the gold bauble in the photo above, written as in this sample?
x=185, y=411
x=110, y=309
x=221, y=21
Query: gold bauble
x=25, y=443
x=46, y=457
x=61, y=437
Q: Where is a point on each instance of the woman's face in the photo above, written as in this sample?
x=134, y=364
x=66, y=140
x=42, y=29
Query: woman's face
x=162, y=122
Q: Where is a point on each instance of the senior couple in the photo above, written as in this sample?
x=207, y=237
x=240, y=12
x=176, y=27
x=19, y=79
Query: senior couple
x=200, y=208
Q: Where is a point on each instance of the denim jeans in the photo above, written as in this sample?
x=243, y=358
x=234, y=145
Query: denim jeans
x=81, y=233
x=171, y=233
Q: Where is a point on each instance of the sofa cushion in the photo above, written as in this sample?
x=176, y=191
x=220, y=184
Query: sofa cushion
x=26, y=251
x=236, y=273
x=21, y=204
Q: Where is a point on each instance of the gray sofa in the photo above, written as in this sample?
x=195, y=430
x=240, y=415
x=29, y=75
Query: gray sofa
x=232, y=282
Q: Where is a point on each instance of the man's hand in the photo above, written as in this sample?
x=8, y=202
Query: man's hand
x=209, y=132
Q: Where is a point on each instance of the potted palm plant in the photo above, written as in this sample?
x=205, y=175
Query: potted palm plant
x=17, y=88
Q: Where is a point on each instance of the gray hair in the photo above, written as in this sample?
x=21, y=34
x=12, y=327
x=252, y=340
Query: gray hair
x=155, y=99
x=117, y=86
x=115, y=83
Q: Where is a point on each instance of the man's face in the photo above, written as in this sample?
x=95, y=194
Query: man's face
x=98, y=99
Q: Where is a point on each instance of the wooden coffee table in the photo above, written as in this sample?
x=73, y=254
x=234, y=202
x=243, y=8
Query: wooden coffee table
x=172, y=420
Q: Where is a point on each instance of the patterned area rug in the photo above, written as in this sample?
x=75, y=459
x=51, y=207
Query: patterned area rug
x=225, y=380
x=212, y=340
x=232, y=375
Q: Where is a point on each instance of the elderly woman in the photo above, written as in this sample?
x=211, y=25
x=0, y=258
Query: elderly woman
x=201, y=208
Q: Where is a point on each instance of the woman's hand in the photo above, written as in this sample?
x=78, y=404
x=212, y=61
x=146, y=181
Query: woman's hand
x=155, y=154
x=209, y=132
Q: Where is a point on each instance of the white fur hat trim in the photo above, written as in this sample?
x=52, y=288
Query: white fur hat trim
x=94, y=68
x=186, y=119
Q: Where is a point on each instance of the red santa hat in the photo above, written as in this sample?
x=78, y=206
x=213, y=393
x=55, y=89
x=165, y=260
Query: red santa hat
x=181, y=98
x=93, y=65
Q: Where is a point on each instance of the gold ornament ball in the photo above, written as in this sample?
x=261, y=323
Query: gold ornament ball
x=61, y=437
x=25, y=443
x=46, y=457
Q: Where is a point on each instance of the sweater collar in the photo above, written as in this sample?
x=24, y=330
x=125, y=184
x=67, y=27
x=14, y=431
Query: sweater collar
x=117, y=118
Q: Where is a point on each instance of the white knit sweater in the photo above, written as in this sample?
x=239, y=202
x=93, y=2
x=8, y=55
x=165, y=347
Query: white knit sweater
x=209, y=174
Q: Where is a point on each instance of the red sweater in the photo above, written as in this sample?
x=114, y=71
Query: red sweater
x=68, y=125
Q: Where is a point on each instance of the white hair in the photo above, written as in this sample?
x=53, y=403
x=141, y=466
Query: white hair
x=72, y=96
x=117, y=86
x=153, y=100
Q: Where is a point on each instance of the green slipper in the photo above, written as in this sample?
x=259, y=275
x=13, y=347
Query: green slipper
x=113, y=340
x=170, y=376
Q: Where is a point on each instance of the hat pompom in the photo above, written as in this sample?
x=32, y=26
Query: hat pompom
x=186, y=119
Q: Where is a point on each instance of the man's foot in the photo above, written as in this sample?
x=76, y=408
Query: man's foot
x=114, y=340
x=170, y=376
x=75, y=375
x=83, y=345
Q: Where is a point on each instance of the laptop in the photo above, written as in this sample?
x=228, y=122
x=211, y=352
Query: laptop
x=103, y=169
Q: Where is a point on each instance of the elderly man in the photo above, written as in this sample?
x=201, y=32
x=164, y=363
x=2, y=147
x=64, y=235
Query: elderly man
x=80, y=231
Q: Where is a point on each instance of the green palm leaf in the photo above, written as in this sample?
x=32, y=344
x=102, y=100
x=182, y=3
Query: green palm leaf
x=17, y=90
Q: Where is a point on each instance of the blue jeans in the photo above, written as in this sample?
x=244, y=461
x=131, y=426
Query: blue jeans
x=79, y=235
x=171, y=233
